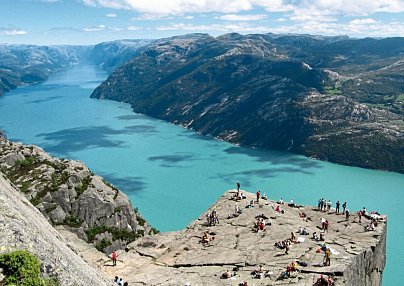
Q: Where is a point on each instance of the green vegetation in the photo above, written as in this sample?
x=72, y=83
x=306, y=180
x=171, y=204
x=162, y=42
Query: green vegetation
x=101, y=245
x=50, y=209
x=26, y=162
x=141, y=220
x=24, y=186
x=154, y=230
x=22, y=268
x=117, y=234
x=37, y=200
x=333, y=90
x=117, y=210
x=84, y=185
x=73, y=221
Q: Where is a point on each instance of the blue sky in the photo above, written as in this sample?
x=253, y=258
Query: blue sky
x=45, y=22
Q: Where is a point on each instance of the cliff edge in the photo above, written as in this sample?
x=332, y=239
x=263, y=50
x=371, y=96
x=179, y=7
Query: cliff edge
x=357, y=256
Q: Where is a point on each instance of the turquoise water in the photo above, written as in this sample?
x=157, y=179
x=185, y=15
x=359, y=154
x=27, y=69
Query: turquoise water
x=173, y=174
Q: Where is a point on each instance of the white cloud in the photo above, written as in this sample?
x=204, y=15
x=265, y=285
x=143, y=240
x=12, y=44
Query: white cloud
x=12, y=31
x=133, y=28
x=280, y=20
x=235, y=17
x=180, y=7
x=94, y=28
x=362, y=21
x=111, y=15
x=189, y=17
x=151, y=17
x=221, y=28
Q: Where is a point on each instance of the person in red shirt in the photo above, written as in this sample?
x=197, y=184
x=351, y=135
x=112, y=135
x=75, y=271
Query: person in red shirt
x=258, y=196
x=114, y=257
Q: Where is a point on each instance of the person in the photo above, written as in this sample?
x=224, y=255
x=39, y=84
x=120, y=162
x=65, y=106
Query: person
x=227, y=274
x=337, y=207
x=114, y=257
x=120, y=282
x=258, y=196
x=116, y=280
x=281, y=201
x=327, y=257
x=293, y=237
x=238, y=187
x=346, y=214
x=292, y=202
x=264, y=197
x=343, y=207
x=329, y=204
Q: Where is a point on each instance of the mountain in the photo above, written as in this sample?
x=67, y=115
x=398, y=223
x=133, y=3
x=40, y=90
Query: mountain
x=283, y=92
x=110, y=55
x=28, y=64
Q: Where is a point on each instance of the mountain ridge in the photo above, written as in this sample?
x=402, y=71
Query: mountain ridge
x=251, y=90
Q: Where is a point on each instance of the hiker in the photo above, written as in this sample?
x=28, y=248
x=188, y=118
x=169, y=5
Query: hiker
x=343, y=207
x=258, y=196
x=337, y=207
x=114, y=257
x=264, y=197
x=346, y=214
x=281, y=201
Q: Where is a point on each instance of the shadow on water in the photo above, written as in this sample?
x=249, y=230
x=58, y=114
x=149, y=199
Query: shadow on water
x=130, y=117
x=172, y=160
x=250, y=175
x=128, y=185
x=275, y=157
x=145, y=129
x=47, y=99
x=76, y=139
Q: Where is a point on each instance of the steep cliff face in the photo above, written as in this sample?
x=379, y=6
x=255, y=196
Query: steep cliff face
x=23, y=227
x=256, y=90
x=68, y=193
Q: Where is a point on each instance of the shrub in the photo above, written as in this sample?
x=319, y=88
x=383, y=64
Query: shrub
x=103, y=244
x=22, y=268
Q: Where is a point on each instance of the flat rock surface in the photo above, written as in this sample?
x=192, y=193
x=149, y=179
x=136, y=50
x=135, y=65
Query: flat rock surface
x=176, y=258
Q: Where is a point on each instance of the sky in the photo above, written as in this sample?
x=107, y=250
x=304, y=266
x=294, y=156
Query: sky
x=86, y=22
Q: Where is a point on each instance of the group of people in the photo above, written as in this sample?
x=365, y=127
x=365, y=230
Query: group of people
x=212, y=218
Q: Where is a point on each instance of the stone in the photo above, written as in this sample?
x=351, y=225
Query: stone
x=23, y=227
x=175, y=258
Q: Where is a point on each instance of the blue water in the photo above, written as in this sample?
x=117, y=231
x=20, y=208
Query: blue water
x=172, y=175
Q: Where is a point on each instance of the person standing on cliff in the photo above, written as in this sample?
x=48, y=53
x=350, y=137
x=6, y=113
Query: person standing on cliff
x=114, y=257
x=343, y=207
x=337, y=207
x=238, y=188
x=258, y=196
